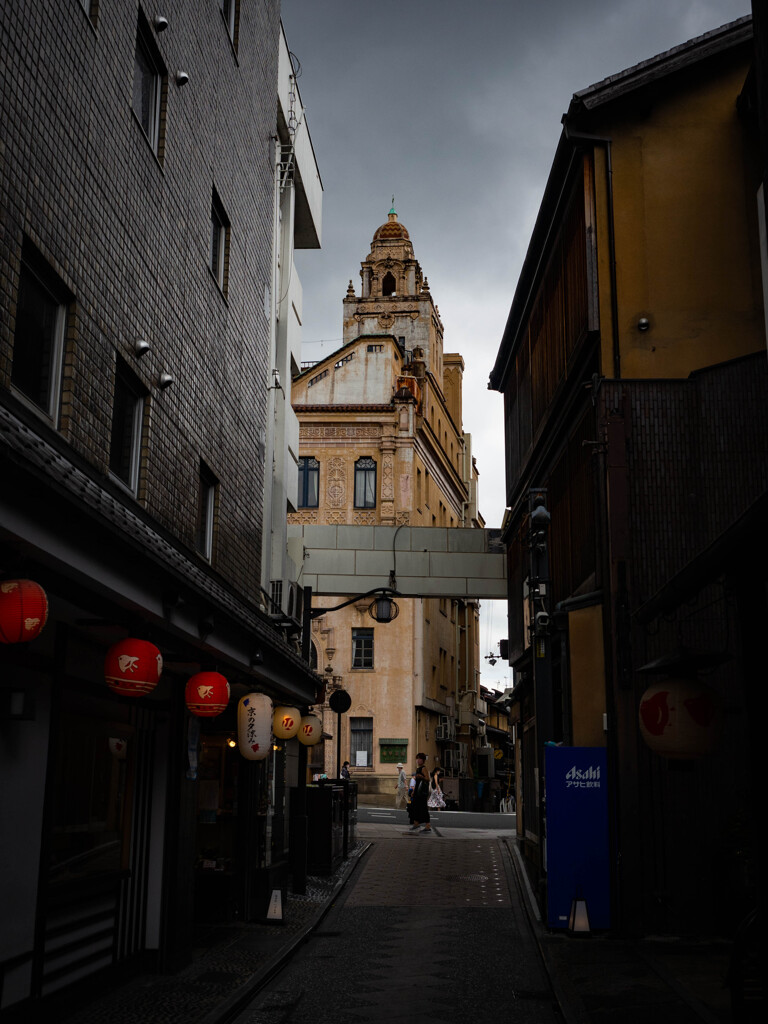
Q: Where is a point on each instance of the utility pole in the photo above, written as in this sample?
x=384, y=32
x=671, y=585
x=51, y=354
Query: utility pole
x=541, y=641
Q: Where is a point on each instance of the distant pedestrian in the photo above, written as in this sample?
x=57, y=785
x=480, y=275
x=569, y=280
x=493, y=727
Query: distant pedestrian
x=401, y=790
x=436, y=800
x=345, y=770
x=419, y=809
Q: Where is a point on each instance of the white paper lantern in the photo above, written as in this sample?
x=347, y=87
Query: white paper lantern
x=254, y=726
x=285, y=722
x=310, y=730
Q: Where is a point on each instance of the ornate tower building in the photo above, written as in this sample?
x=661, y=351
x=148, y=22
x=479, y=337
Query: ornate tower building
x=381, y=442
x=395, y=297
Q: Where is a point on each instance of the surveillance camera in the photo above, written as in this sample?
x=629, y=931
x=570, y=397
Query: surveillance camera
x=542, y=620
x=165, y=381
x=181, y=78
x=141, y=347
x=161, y=23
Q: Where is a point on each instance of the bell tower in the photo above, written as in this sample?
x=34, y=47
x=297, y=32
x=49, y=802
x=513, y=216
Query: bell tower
x=394, y=297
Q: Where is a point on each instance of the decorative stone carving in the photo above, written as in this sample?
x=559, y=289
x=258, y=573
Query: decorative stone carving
x=331, y=430
x=336, y=491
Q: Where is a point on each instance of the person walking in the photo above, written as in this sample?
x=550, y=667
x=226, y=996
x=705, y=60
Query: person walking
x=345, y=770
x=401, y=790
x=419, y=809
x=436, y=800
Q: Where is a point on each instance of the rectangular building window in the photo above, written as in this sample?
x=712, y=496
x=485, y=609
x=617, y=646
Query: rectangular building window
x=230, y=12
x=127, y=417
x=309, y=482
x=38, y=341
x=148, y=85
x=361, y=742
x=219, y=253
x=365, y=483
x=208, y=491
x=362, y=648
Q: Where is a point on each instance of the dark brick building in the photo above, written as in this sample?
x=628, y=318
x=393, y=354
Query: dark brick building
x=635, y=378
x=137, y=186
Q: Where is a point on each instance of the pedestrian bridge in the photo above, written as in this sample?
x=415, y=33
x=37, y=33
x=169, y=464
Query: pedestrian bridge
x=417, y=561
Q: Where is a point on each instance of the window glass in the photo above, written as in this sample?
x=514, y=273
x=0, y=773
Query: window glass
x=362, y=648
x=309, y=482
x=365, y=483
x=146, y=91
x=219, y=242
x=361, y=742
x=206, y=511
x=38, y=342
x=90, y=799
x=126, y=429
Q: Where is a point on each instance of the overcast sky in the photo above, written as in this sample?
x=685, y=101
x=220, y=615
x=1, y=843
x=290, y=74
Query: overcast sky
x=454, y=107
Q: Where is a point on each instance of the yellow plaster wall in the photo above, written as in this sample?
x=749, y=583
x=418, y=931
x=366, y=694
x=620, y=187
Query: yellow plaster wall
x=686, y=241
x=587, y=668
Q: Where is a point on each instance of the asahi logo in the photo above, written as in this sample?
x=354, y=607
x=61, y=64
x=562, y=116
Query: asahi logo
x=583, y=774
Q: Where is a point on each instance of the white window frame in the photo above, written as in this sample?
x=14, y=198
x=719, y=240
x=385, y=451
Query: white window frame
x=229, y=12
x=152, y=128
x=136, y=425
x=219, y=242
x=207, y=512
x=56, y=354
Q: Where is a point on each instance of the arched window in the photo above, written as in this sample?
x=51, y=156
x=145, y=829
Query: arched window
x=309, y=481
x=388, y=285
x=365, y=483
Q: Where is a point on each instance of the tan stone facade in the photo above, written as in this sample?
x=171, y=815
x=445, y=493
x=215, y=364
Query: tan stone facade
x=381, y=442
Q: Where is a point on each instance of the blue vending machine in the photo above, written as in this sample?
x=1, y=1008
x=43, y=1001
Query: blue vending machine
x=577, y=834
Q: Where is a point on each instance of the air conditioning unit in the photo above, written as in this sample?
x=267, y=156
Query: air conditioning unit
x=441, y=733
x=481, y=729
x=448, y=759
x=295, y=601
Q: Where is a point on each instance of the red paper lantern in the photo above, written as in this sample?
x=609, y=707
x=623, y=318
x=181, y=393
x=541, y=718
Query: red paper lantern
x=132, y=667
x=680, y=718
x=207, y=694
x=23, y=611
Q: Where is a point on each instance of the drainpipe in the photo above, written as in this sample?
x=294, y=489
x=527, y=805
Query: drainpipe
x=581, y=137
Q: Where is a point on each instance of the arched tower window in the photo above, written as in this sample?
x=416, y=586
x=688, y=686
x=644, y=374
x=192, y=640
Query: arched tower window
x=388, y=285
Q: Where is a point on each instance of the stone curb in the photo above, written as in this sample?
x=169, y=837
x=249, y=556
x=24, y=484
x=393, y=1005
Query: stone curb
x=235, y=1004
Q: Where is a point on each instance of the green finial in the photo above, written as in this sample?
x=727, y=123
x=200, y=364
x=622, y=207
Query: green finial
x=393, y=210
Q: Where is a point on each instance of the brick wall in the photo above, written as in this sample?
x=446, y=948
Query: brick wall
x=128, y=235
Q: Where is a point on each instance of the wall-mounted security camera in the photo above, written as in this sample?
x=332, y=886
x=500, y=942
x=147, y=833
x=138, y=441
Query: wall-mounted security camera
x=141, y=347
x=181, y=78
x=161, y=23
x=542, y=620
x=165, y=381
x=643, y=324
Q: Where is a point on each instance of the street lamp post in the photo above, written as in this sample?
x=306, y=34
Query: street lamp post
x=382, y=609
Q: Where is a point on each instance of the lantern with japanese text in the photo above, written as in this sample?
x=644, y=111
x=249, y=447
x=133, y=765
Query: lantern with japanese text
x=118, y=747
x=285, y=722
x=680, y=718
x=133, y=667
x=254, y=726
x=23, y=611
x=310, y=730
x=207, y=694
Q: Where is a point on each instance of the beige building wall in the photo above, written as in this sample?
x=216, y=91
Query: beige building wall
x=390, y=397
